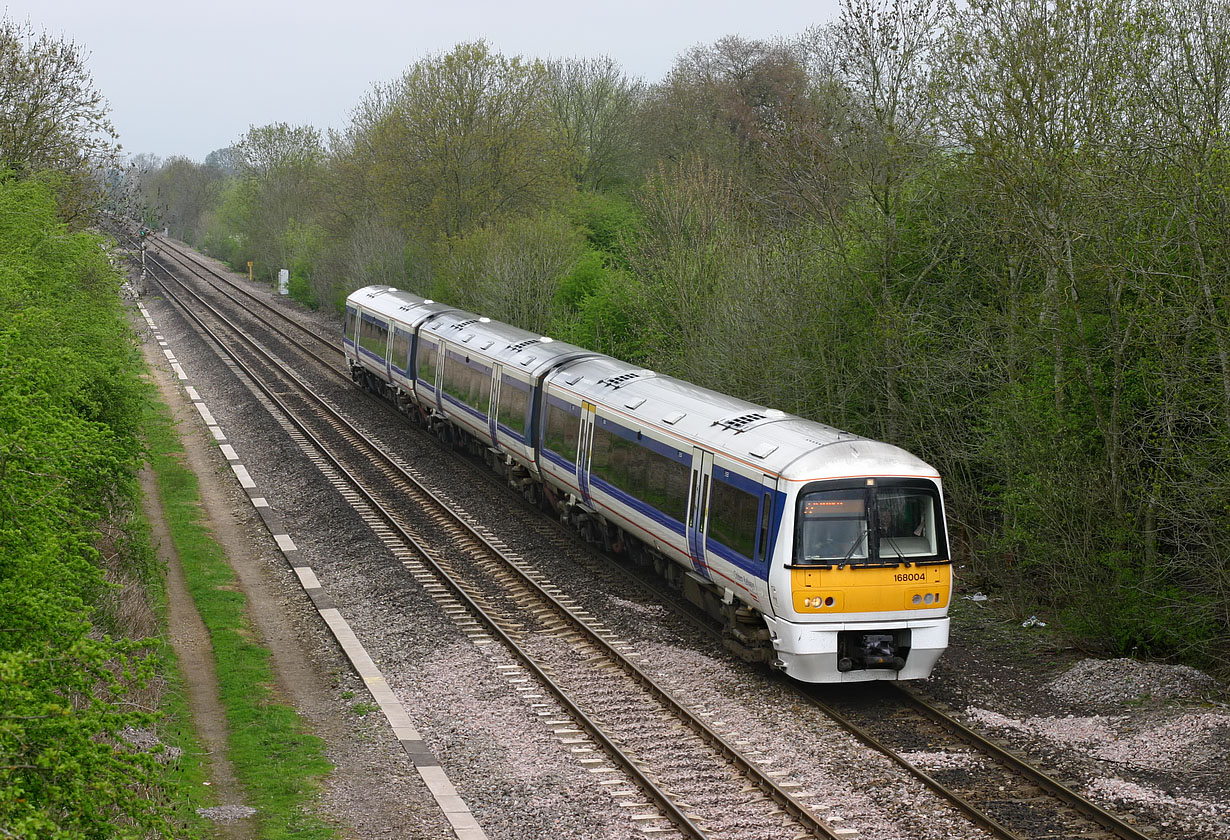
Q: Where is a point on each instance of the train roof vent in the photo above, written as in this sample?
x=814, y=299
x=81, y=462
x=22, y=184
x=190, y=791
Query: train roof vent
x=487, y=345
x=525, y=362
x=635, y=403
x=674, y=417
x=620, y=380
x=461, y=325
x=521, y=345
x=465, y=338
x=740, y=422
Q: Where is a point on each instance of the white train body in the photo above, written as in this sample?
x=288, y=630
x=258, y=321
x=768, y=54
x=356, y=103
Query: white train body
x=823, y=553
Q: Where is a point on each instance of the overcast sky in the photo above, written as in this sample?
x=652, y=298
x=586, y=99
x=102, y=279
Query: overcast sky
x=185, y=80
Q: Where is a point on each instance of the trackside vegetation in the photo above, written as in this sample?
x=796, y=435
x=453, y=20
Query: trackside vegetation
x=96, y=740
x=75, y=668
x=995, y=232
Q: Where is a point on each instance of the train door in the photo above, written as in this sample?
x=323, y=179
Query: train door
x=698, y=509
x=388, y=352
x=351, y=333
x=494, y=405
x=764, y=529
x=587, y=436
x=437, y=374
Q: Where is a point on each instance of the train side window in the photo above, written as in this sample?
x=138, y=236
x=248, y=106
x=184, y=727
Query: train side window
x=732, y=518
x=480, y=387
x=373, y=336
x=616, y=460
x=401, y=349
x=665, y=484
x=562, y=430
x=601, y=458
x=352, y=317
x=427, y=362
x=514, y=406
x=452, y=377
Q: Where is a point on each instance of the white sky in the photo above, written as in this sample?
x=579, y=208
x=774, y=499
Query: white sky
x=190, y=79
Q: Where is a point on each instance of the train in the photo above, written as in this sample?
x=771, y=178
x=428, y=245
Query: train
x=822, y=554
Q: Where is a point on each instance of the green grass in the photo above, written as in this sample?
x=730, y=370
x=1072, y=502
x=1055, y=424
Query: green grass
x=278, y=764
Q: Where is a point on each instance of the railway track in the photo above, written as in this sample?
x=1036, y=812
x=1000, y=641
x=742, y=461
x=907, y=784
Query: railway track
x=612, y=705
x=993, y=788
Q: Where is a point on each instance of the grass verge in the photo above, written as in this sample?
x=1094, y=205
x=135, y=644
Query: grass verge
x=278, y=764
x=185, y=778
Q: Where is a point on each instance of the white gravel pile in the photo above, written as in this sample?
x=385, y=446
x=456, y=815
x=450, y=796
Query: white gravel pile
x=226, y=813
x=1120, y=680
x=1191, y=740
x=1118, y=790
x=1069, y=731
x=1178, y=744
x=1185, y=816
x=940, y=760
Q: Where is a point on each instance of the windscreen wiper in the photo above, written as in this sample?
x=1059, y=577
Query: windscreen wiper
x=884, y=533
x=853, y=548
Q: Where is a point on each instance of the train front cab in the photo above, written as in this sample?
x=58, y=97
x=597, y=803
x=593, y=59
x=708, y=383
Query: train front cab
x=869, y=581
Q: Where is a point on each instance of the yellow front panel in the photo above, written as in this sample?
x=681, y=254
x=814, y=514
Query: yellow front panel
x=855, y=589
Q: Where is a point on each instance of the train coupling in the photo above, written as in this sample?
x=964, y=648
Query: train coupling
x=777, y=665
x=859, y=650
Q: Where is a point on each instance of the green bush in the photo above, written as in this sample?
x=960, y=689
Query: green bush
x=70, y=404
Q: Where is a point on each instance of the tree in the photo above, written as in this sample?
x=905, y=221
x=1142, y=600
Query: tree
x=180, y=192
x=593, y=108
x=721, y=102
x=280, y=170
x=463, y=141
x=51, y=116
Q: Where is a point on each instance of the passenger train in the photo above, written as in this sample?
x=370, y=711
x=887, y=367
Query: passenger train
x=822, y=553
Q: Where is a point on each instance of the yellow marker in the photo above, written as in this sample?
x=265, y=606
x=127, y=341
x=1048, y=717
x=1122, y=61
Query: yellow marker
x=249, y=271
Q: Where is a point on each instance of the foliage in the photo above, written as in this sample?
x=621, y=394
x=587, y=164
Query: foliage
x=52, y=119
x=510, y=272
x=69, y=411
x=460, y=141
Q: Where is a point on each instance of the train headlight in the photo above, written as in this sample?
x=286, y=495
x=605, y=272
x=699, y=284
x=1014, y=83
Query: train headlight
x=828, y=602
x=807, y=602
x=928, y=598
x=917, y=599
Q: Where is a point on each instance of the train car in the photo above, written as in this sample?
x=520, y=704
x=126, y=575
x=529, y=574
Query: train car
x=484, y=379
x=821, y=553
